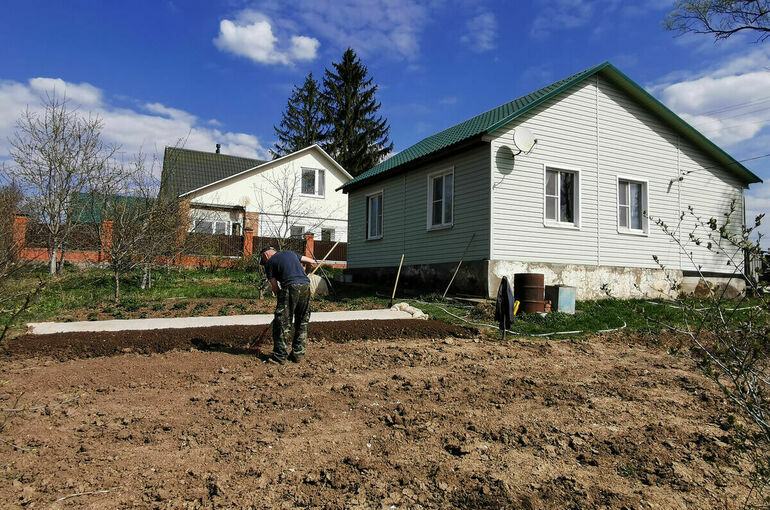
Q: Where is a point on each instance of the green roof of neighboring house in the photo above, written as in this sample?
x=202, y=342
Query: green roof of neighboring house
x=495, y=118
x=185, y=170
x=89, y=208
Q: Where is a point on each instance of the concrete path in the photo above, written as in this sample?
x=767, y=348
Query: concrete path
x=44, y=328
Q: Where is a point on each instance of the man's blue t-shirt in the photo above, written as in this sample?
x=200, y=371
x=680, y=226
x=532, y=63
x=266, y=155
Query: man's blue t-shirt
x=286, y=267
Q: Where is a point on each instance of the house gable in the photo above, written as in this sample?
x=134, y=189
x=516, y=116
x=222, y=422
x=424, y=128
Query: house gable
x=492, y=120
x=321, y=155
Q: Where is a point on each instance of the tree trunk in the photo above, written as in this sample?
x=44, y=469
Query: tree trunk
x=52, y=262
x=60, y=265
x=117, y=286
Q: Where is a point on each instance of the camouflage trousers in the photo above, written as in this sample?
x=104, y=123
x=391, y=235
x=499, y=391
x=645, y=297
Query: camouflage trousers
x=293, y=306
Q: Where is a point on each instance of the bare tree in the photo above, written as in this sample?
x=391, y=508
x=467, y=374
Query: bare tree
x=282, y=208
x=14, y=298
x=729, y=338
x=58, y=154
x=137, y=224
x=721, y=18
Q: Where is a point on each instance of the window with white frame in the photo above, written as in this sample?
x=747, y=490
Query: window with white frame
x=327, y=234
x=441, y=192
x=561, y=196
x=374, y=216
x=202, y=226
x=297, y=231
x=313, y=182
x=632, y=204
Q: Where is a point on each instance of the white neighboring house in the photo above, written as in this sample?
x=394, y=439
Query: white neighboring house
x=289, y=196
x=577, y=208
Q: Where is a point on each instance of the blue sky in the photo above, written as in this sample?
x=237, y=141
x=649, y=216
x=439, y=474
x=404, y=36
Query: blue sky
x=210, y=72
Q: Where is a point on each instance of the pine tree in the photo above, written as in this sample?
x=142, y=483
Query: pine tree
x=358, y=138
x=302, y=123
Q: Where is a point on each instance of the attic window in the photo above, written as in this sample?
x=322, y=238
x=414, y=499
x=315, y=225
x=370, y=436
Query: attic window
x=313, y=182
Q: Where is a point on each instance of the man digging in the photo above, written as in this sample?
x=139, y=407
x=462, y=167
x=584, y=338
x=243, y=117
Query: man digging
x=293, y=302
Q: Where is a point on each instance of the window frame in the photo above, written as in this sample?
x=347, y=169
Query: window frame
x=213, y=230
x=318, y=171
x=577, y=195
x=331, y=230
x=429, y=218
x=382, y=207
x=645, y=230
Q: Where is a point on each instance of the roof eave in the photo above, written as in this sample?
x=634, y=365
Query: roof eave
x=404, y=167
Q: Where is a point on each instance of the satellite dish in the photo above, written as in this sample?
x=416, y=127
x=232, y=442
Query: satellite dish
x=524, y=140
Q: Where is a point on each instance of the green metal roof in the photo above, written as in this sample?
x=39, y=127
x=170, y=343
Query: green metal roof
x=186, y=170
x=495, y=118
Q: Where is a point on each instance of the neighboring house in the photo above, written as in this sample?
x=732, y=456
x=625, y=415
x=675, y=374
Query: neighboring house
x=574, y=207
x=289, y=196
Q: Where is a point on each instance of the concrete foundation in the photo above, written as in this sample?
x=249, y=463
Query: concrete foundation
x=731, y=287
x=482, y=278
x=593, y=282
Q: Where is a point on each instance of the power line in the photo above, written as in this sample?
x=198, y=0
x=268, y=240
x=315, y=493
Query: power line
x=736, y=106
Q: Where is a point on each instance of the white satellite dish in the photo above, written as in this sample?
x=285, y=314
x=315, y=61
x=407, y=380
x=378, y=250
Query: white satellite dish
x=524, y=140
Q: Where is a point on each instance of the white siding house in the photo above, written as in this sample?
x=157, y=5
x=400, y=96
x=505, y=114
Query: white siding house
x=581, y=207
x=289, y=196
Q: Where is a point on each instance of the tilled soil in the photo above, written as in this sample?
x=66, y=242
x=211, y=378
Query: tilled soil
x=410, y=423
x=233, y=339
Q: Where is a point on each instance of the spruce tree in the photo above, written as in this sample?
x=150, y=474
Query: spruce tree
x=358, y=137
x=302, y=123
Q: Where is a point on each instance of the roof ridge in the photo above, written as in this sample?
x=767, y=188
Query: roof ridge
x=210, y=153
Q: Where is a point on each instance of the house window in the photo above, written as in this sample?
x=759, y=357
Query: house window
x=236, y=230
x=220, y=227
x=632, y=203
x=202, y=227
x=561, y=196
x=327, y=234
x=374, y=216
x=313, y=182
x=297, y=231
x=440, y=199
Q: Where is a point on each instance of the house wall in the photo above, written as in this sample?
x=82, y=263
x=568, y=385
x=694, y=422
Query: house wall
x=405, y=216
x=596, y=129
x=257, y=192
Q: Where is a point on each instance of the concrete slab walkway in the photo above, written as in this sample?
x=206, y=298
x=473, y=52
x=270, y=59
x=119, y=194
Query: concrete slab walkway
x=44, y=328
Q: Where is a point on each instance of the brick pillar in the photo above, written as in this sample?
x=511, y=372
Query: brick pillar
x=248, y=242
x=309, y=245
x=19, y=231
x=106, y=239
x=251, y=220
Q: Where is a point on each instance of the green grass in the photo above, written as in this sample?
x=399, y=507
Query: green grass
x=173, y=292
x=637, y=315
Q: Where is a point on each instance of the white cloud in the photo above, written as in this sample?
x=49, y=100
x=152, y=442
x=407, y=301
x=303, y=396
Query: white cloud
x=82, y=93
x=556, y=15
x=147, y=130
x=251, y=35
x=387, y=27
x=729, y=103
x=481, y=32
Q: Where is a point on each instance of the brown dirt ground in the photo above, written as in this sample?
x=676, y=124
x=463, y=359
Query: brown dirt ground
x=413, y=422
